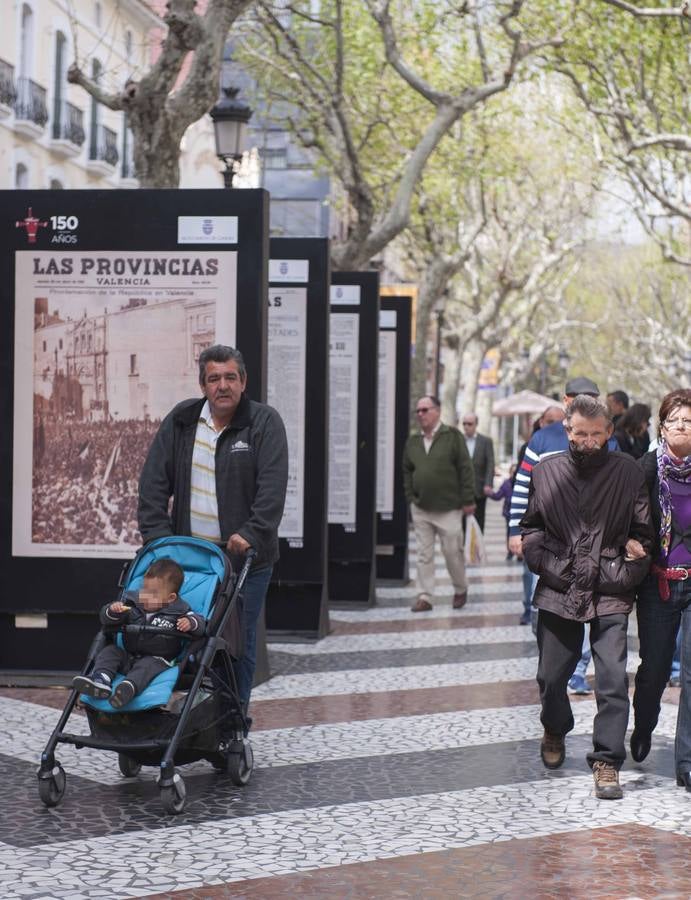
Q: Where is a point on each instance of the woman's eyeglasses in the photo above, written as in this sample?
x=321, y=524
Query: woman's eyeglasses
x=677, y=424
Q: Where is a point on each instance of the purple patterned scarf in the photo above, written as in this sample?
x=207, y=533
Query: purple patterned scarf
x=669, y=466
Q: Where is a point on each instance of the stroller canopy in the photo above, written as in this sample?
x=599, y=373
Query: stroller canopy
x=205, y=567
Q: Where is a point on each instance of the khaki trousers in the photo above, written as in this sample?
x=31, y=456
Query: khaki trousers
x=449, y=527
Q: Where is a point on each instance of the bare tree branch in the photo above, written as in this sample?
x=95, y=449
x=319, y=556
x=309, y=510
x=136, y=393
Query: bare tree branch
x=76, y=76
x=651, y=12
x=670, y=141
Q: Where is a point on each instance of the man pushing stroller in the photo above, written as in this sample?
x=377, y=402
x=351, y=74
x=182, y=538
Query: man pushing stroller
x=143, y=655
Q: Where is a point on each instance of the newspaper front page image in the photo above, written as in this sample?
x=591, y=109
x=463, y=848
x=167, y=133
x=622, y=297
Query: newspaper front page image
x=106, y=343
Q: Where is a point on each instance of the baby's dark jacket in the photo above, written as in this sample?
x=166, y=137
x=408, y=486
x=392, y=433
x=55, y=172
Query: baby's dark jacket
x=167, y=647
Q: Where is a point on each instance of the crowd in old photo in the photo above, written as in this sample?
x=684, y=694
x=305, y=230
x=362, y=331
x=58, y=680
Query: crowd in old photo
x=85, y=479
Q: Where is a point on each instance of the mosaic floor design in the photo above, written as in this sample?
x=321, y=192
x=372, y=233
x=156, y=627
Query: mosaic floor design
x=396, y=758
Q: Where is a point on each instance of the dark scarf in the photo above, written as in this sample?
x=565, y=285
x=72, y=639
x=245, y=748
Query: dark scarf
x=588, y=462
x=669, y=466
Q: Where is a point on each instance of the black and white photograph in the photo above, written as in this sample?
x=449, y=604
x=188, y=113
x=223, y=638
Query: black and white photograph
x=114, y=342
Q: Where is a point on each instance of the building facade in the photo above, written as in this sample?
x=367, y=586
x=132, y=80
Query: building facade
x=131, y=362
x=53, y=134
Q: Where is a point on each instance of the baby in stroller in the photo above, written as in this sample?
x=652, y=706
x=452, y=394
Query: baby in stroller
x=142, y=656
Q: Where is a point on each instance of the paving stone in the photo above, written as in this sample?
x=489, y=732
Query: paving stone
x=396, y=758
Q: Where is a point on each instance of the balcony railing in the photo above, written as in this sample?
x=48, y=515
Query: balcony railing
x=8, y=91
x=69, y=124
x=127, y=170
x=103, y=146
x=30, y=104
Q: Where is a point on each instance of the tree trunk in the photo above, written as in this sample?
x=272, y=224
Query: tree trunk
x=419, y=366
x=473, y=353
x=156, y=149
x=452, y=378
x=432, y=287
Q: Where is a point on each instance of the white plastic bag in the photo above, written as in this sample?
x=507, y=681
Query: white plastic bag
x=475, y=552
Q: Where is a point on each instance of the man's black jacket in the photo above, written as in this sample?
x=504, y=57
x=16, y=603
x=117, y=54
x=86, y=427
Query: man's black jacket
x=251, y=476
x=579, y=518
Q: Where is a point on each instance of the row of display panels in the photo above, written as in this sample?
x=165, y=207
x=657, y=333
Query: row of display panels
x=110, y=296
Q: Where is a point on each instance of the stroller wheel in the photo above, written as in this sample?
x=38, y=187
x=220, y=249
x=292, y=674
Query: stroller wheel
x=51, y=785
x=128, y=767
x=240, y=762
x=173, y=796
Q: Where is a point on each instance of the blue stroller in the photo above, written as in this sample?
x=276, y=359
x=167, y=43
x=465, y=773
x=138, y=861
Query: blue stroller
x=157, y=728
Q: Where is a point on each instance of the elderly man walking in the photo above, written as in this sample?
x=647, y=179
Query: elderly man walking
x=481, y=450
x=439, y=484
x=587, y=534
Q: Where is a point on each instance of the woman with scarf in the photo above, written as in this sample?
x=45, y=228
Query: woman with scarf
x=664, y=598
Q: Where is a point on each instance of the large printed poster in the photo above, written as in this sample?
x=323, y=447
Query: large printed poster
x=106, y=343
x=386, y=420
x=286, y=377
x=343, y=407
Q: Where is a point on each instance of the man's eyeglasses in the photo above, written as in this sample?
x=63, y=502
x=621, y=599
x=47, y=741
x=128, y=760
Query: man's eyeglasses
x=469, y=423
x=677, y=424
x=423, y=409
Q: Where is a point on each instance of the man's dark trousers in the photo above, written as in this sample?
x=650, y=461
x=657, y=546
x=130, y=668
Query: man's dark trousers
x=560, y=642
x=480, y=505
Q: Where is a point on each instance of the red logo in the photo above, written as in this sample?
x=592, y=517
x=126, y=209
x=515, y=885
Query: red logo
x=31, y=225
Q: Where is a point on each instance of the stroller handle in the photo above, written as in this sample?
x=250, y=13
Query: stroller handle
x=250, y=553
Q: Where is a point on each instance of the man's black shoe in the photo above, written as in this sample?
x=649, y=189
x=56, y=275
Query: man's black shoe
x=552, y=749
x=640, y=744
x=684, y=780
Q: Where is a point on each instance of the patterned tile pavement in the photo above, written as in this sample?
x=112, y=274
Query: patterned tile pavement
x=396, y=758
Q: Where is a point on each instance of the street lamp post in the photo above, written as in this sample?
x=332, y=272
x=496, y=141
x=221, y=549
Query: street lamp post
x=564, y=360
x=230, y=117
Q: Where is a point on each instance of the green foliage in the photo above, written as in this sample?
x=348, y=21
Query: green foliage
x=333, y=68
x=636, y=315
x=631, y=76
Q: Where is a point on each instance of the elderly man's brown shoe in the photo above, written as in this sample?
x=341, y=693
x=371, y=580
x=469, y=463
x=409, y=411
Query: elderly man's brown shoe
x=422, y=604
x=607, y=785
x=552, y=750
x=459, y=600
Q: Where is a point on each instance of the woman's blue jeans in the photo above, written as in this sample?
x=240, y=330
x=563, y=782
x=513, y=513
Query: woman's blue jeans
x=658, y=623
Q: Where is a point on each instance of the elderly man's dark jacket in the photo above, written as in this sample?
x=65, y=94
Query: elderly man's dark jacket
x=251, y=476
x=483, y=463
x=581, y=512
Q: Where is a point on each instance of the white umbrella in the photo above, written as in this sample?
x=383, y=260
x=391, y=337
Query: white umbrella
x=523, y=402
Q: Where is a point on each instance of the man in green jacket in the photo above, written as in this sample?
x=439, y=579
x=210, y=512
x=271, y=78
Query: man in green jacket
x=439, y=484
